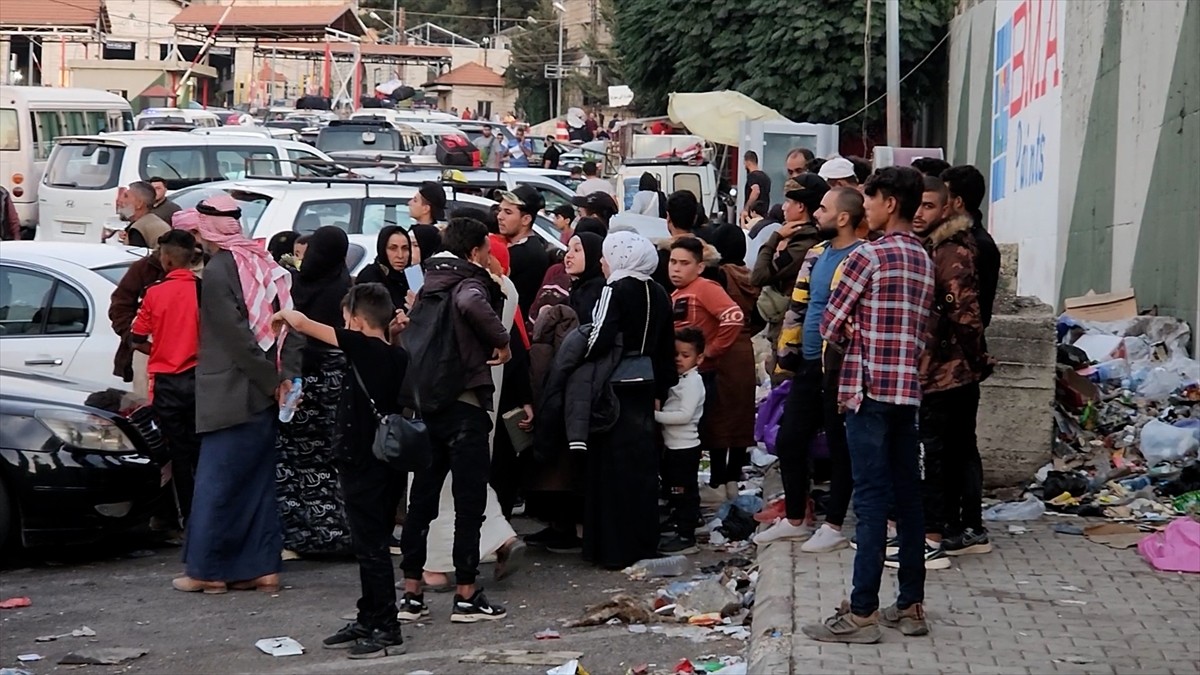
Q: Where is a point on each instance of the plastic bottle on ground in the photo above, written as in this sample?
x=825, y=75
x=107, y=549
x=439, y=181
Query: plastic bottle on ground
x=671, y=566
x=1030, y=509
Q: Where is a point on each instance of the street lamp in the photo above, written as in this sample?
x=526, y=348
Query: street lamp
x=558, y=7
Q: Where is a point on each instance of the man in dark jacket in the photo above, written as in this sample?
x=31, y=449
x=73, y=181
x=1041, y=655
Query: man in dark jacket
x=967, y=188
x=459, y=432
x=952, y=365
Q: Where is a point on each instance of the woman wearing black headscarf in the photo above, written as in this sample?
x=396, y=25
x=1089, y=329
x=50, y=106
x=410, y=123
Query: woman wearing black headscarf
x=584, y=254
x=426, y=241
x=393, y=253
x=310, y=504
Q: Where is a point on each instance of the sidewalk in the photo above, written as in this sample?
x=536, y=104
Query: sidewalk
x=1017, y=610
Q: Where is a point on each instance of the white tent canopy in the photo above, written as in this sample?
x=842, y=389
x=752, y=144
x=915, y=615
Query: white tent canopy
x=716, y=115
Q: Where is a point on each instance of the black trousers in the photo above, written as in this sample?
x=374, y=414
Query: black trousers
x=812, y=405
x=174, y=407
x=373, y=491
x=952, y=476
x=460, y=447
x=679, y=470
x=724, y=464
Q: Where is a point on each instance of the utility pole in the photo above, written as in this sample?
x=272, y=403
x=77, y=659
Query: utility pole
x=395, y=22
x=893, y=73
x=558, y=98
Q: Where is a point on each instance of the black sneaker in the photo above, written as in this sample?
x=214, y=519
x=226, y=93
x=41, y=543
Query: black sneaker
x=892, y=547
x=935, y=559
x=971, y=541
x=677, y=545
x=346, y=637
x=378, y=644
x=412, y=607
x=476, y=608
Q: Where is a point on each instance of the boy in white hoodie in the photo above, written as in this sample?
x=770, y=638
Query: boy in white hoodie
x=680, y=420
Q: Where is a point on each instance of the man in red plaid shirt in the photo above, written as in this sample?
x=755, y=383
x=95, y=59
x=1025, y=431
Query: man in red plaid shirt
x=878, y=314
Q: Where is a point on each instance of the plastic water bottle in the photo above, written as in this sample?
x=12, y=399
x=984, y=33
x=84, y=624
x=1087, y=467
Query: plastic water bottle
x=671, y=566
x=288, y=409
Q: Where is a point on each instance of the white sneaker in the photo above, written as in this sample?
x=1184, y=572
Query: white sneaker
x=711, y=496
x=825, y=540
x=783, y=529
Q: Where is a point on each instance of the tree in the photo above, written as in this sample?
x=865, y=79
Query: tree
x=473, y=19
x=803, y=58
x=530, y=52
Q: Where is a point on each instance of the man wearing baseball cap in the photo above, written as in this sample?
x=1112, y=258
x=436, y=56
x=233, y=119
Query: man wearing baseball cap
x=839, y=172
x=518, y=209
x=598, y=205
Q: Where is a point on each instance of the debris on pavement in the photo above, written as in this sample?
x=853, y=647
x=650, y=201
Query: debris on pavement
x=547, y=634
x=572, y=667
x=1175, y=549
x=280, y=646
x=102, y=656
x=15, y=603
x=622, y=607
x=708, y=596
x=14, y=671
x=26, y=658
x=671, y=566
x=82, y=631
x=1113, y=535
x=520, y=657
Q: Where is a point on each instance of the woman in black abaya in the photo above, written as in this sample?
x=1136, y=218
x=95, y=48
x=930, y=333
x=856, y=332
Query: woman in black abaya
x=310, y=503
x=621, y=495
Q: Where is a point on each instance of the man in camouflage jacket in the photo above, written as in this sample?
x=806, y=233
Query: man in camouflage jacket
x=953, y=364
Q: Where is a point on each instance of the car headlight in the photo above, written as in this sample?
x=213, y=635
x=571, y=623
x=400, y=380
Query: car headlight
x=85, y=431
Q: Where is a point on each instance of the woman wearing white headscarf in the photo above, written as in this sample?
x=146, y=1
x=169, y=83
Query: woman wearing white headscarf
x=634, y=316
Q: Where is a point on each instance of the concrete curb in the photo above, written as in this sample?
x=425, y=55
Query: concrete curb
x=773, y=625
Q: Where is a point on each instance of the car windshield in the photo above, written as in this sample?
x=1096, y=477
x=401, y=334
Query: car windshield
x=84, y=166
x=114, y=273
x=343, y=140
x=252, y=204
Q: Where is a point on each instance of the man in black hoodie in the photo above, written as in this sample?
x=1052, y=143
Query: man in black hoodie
x=460, y=431
x=967, y=189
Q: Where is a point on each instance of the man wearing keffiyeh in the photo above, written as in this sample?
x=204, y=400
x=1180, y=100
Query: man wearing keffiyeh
x=234, y=537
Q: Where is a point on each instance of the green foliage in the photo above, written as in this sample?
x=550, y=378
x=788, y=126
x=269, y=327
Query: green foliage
x=473, y=19
x=529, y=55
x=803, y=58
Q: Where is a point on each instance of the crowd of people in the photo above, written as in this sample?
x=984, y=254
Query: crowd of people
x=584, y=388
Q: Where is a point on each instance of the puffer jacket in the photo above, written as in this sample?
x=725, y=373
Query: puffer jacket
x=779, y=269
x=553, y=325
x=955, y=354
x=578, y=398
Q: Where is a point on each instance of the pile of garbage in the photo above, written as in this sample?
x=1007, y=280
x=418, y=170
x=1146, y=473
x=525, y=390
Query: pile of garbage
x=1127, y=424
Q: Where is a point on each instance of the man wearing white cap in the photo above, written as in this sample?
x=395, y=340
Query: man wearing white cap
x=839, y=172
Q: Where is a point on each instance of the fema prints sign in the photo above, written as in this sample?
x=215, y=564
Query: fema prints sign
x=1026, y=139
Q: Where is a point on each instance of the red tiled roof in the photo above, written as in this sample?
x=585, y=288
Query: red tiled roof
x=53, y=13
x=367, y=49
x=471, y=74
x=277, y=22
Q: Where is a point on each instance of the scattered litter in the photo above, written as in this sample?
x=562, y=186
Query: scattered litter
x=671, y=566
x=695, y=634
x=638, y=628
x=707, y=619
x=717, y=539
x=1017, y=529
x=521, y=657
x=25, y=658
x=1113, y=535
x=618, y=609
x=1078, y=660
x=102, y=656
x=421, y=672
x=710, y=596
x=14, y=671
x=1068, y=528
x=280, y=646
x=641, y=669
x=735, y=632
x=684, y=667
x=1175, y=549
x=1072, y=602
x=571, y=667
x=1031, y=508
x=547, y=634
x=83, y=631
x=15, y=603
x=1073, y=589
x=610, y=591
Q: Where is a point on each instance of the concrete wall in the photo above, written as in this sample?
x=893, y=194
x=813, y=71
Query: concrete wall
x=1126, y=212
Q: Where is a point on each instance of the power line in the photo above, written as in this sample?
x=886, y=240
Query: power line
x=883, y=96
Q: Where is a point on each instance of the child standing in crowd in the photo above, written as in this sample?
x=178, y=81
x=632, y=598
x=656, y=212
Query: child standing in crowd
x=680, y=420
x=372, y=488
x=167, y=327
x=704, y=304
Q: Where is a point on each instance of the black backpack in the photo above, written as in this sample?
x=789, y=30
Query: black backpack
x=435, y=379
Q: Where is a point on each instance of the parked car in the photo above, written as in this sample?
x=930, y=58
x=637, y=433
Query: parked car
x=54, y=301
x=361, y=207
x=153, y=116
x=551, y=184
x=77, y=460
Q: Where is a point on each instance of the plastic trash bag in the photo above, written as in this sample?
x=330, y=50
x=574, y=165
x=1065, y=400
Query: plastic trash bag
x=1161, y=442
x=770, y=412
x=1175, y=549
x=1030, y=509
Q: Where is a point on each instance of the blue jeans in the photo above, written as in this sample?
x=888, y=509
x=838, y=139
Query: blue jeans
x=885, y=461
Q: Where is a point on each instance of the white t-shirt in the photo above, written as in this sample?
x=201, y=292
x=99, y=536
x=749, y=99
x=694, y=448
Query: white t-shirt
x=591, y=185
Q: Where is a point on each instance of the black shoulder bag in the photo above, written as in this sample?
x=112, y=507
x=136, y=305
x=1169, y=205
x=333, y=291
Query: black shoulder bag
x=400, y=442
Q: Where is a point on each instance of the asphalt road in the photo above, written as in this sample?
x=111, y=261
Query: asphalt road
x=123, y=592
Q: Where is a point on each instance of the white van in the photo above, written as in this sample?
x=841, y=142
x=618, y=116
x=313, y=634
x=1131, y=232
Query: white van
x=33, y=118
x=79, y=189
x=673, y=175
x=152, y=116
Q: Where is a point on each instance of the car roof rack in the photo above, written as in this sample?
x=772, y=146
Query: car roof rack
x=342, y=173
x=664, y=161
x=372, y=121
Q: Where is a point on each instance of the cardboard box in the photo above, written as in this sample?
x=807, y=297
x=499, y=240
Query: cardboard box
x=1116, y=306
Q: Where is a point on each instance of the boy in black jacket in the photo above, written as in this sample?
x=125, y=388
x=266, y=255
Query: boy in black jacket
x=372, y=488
